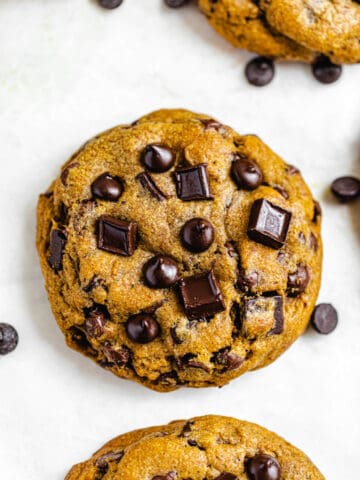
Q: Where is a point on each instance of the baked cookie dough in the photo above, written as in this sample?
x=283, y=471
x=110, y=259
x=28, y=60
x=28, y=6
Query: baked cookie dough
x=210, y=447
x=290, y=29
x=177, y=252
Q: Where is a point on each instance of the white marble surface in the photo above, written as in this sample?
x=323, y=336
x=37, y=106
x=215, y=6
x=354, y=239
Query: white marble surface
x=69, y=70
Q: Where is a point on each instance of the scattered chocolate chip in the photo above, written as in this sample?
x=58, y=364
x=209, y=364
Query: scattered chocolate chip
x=192, y=183
x=260, y=71
x=263, y=467
x=226, y=476
x=8, y=338
x=65, y=172
x=325, y=71
x=107, y=187
x=160, y=272
x=167, y=476
x=268, y=224
x=232, y=249
x=142, y=328
x=95, y=320
x=152, y=308
x=110, y=4
x=246, y=283
x=102, y=463
x=281, y=190
x=148, y=184
x=157, y=158
x=298, y=281
x=195, y=364
x=197, y=235
x=246, y=173
x=317, y=211
x=168, y=378
x=95, y=282
x=314, y=244
x=174, y=336
x=346, y=189
x=263, y=316
x=117, y=356
x=324, y=318
x=79, y=338
x=201, y=296
x=186, y=430
x=57, y=245
x=62, y=218
x=292, y=170
x=229, y=360
x=211, y=124
x=117, y=236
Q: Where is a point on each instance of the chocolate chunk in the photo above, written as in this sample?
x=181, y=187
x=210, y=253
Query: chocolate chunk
x=148, y=184
x=263, y=467
x=57, y=245
x=346, y=188
x=260, y=71
x=246, y=283
x=314, y=244
x=298, y=281
x=102, y=462
x=281, y=190
x=201, y=296
x=142, y=328
x=107, y=187
x=117, y=236
x=317, y=211
x=78, y=337
x=229, y=360
x=291, y=170
x=197, y=235
x=174, y=336
x=8, y=338
x=324, y=318
x=211, y=124
x=192, y=183
x=65, y=172
x=160, y=272
x=95, y=282
x=246, y=173
x=117, y=356
x=268, y=224
x=189, y=360
x=95, y=320
x=110, y=4
x=263, y=316
x=232, y=249
x=62, y=218
x=167, y=476
x=157, y=158
x=168, y=378
x=325, y=71
x=226, y=476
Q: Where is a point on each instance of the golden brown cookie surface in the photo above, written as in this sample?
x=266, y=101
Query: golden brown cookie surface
x=177, y=252
x=209, y=447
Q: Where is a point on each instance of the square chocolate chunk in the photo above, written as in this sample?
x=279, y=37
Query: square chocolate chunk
x=268, y=224
x=117, y=236
x=263, y=316
x=201, y=296
x=192, y=183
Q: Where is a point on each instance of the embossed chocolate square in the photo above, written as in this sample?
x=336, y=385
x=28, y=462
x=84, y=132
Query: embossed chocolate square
x=263, y=316
x=117, y=236
x=192, y=183
x=268, y=223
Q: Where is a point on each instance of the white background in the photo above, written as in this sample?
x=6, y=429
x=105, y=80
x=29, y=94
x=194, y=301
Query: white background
x=69, y=70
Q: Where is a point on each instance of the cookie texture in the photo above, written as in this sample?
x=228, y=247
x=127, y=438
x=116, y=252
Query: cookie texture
x=177, y=252
x=209, y=447
x=290, y=29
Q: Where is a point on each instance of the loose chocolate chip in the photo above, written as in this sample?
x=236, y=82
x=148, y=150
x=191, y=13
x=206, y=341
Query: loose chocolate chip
x=160, y=272
x=346, y=188
x=325, y=71
x=175, y=3
x=157, y=158
x=102, y=462
x=211, y=124
x=324, y=318
x=57, y=245
x=148, y=184
x=117, y=236
x=192, y=183
x=260, y=71
x=226, y=476
x=120, y=356
x=229, y=360
x=142, y=328
x=298, y=281
x=107, y=187
x=95, y=320
x=167, y=476
x=263, y=467
x=246, y=173
x=8, y=338
x=197, y=235
x=268, y=224
x=110, y=4
x=201, y=296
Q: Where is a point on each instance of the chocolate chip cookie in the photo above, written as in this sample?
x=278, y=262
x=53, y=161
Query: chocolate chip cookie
x=290, y=29
x=210, y=447
x=177, y=252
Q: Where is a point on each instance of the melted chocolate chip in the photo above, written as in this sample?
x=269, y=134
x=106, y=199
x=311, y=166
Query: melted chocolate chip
x=175, y=3
x=189, y=360
x=160, y=272
x=325, y=71
x=95, y=282
x=260, y=71
x=65, y=172
x=211, y=124
x=117, y=236
x=148, y=184
x=57, y=246
x=117, y=356
x=229, y=360
x=95, y=320
x=157, y=158
x=246, y=173
x=79, y=338
x=167, y=476
x=298, y=281
x=226, y=476
x=314, y=244
x=317, y=211
x=201, y=296
x=174, y=336
x=263, y=467
x=246, y=283
x=110, y=4
x=346, y=188
x=107, y=187
x=8, y=338
x=281, y=190
x=192, y=183
x=268, y=224
x=102, y=462
x=168, y=378
x=197, y=235
x=142, y=328
x=324, y=318
x=292, y=170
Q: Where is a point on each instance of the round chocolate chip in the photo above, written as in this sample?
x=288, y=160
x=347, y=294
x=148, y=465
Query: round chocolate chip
x=260, y=71
x=324, y=318
x=160, y=272
x=246, y=174
x=95, y=321
x=107, y=187
x=8, y=338
x=197, y=235
x=346, y=188
x=175, y=3
x=263, y=467
x=157, y=158
x=325, y=71
x=142, y=328
x=110, y=3
x=298, y=281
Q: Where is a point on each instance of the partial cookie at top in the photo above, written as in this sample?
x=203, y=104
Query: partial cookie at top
x=177, y=252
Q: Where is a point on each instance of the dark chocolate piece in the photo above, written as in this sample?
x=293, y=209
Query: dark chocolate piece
x=107, y=187
x=157, y=158
x=246, y=173
x=324, y=318
x=346, y=188
x=260, y=71
x=148, y=184
x=325, y=71
x=197, y=235
x=227, y=359
x=117, y=236
x=142, y=328
x=298, y=281
x=160, y=272
x=9, y=338
x=110, y=4
x=95, y=320
x=263, y=316
x=263, y=467
x=65, y=172
x=211, y=124
x=192, y=183
x=102, y=462
x=119, y=357
x=57, y=245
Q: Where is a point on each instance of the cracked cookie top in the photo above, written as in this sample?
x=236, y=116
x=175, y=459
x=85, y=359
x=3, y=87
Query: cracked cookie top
x=177, y=252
